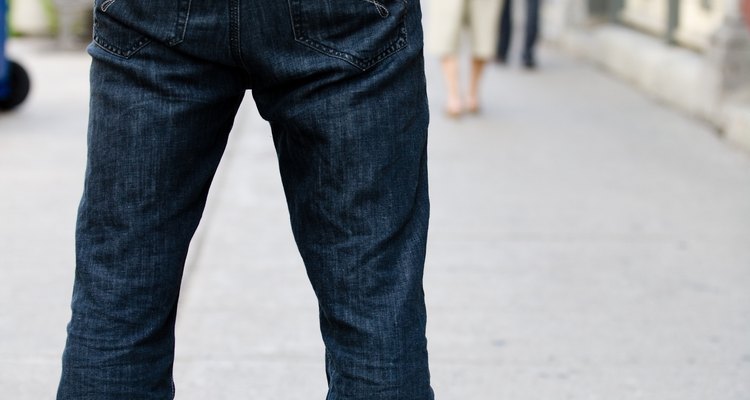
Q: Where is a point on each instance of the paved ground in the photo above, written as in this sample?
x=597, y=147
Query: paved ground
x=586, y=243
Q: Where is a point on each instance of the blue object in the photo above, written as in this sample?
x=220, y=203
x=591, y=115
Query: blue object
x=14, y=81
x=4, y=69
x=344, y=89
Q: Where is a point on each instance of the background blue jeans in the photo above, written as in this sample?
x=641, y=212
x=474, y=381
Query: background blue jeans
x=342, y=85
x=531, y=30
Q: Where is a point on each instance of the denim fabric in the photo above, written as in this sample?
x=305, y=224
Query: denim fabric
x=342, y=84
x=531, y=30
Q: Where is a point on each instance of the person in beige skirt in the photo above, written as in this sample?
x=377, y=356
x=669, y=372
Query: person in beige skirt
x=447, y=20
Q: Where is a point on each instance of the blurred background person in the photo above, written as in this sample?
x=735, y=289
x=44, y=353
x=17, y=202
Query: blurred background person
x=531, y=28
x=448, y=18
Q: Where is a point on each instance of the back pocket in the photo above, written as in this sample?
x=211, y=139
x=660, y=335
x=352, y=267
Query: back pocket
x=123, y=27
x=360, y=32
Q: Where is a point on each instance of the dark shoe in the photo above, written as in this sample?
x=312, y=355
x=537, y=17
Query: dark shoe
x=529, y=62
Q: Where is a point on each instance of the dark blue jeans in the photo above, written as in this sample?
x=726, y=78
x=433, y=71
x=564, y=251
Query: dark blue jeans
x=342, y=84
x=531, y=30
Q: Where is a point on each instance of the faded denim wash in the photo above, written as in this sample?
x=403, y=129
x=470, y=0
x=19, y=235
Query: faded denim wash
x=342, y=84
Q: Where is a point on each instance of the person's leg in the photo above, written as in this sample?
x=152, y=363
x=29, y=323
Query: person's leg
x=349, y=115
x=477, y=68
x=506, y=31
x=158, y=126
x=532, y=31
x=447, y=18
x=484, y=17
x=451, y=75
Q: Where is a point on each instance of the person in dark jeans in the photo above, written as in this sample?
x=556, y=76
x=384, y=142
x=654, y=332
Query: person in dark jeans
x=528, y=57
x=343, y=87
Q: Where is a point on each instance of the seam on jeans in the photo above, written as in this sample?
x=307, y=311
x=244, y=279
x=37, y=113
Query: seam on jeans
x=362, y=64
x=102, y=43
x=382, y=10
x=332, y=372
x=182, y=23
x=106, y=4
x=234, y=33
x=180, y=29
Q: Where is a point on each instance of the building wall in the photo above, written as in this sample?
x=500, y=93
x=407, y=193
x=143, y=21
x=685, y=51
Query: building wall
x=29, y=17
x=698, y=20
x=694, y=55
x=693, y=22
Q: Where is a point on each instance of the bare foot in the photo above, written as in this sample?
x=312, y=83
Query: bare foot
x=454, y=108
x=472, y=105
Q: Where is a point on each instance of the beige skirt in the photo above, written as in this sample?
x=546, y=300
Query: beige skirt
x=447, y=18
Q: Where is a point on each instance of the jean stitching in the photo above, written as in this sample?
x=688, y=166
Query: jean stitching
x=106, y=4
x=362, y=64
x=234, y=35
x=382, y=10
x=177, y=38
x=182, y=23
x=101, y=42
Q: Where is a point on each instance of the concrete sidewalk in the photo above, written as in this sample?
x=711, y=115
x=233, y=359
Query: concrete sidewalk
x=585, y=243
